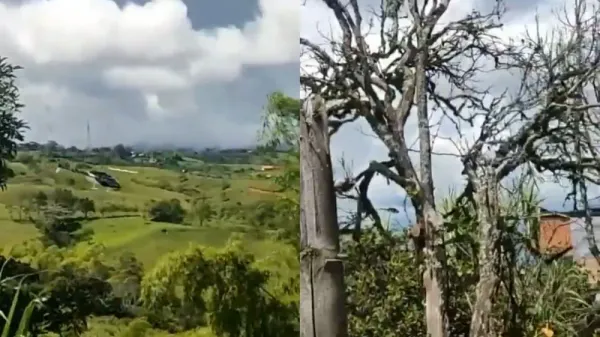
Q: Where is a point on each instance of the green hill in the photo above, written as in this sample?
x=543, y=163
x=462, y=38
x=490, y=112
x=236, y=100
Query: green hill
x=120, y=218
x=120, y=222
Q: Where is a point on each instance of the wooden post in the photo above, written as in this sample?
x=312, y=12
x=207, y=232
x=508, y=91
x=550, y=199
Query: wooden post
x=322, y=289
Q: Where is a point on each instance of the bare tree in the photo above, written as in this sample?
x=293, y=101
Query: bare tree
x=322, y=290
x=548, y=124
x=544, y=125
x=385, y=87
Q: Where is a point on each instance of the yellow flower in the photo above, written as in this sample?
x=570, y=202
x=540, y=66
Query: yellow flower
x=547, y=331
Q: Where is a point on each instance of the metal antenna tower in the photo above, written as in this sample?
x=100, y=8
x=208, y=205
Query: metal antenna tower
x=89, y=137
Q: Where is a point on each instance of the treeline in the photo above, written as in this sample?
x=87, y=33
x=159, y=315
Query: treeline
x=121, y=154
x=28, y=204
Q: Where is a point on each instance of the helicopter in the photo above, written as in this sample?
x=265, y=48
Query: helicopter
x=95, y=177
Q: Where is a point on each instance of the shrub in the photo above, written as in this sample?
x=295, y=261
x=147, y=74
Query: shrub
x=167, y=211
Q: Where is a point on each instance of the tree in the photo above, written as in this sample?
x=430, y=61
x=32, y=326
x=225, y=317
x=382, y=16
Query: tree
x=424, y=67
x=25, y=158
x=351, y=84
x=40, y=200
x=553, y=109
x=58, y=227
x=66, y=295
x=11, y=127
x=51, y=147
x=64, y=198
x=121, y=151
x=167, y=211
x=127, y=278
x=280, y=122
x=25, y=202
x=203, y=211
x=86, y=206
x=305, y=135
x=185, y=286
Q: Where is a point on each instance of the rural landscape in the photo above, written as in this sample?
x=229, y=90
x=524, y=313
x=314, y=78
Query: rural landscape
x=121, y=241
x=129, y=241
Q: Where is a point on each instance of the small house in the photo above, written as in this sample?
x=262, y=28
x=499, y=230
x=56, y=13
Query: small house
x=560, y=231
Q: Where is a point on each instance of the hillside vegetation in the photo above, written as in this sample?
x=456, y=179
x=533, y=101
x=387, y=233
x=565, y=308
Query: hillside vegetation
x=159, y=211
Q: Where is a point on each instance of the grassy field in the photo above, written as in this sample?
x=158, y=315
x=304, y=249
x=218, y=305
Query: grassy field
x=131, y=232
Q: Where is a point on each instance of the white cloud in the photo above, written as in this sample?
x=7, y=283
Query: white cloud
x=145, y=78
x=152, y=52
x=50, y=32
x=153, y=105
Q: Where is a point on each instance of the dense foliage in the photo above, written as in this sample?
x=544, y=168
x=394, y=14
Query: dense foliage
x=385, y=293
x=190, y=288
x=68, y=295
x=167, y=211
x=11, y=126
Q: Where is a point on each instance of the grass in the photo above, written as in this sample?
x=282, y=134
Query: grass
x=150, y=240
x=147, y=240
x=13, y=232
x=137, y=190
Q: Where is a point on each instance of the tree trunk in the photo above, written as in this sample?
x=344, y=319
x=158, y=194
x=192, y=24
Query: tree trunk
x=488, y=257
x=322, y=290
x=433, y=278
x=436, y=318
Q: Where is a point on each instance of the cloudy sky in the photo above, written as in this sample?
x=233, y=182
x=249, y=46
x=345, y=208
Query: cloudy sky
x=184, y=72
x=358, y=145
x=189, y=72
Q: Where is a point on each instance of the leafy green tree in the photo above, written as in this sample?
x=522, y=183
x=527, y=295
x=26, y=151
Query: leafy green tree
x=11, y=127
x=121, y=151
x=84, y=295
x=39, y=203
x=384, y=292
x=41, y=199
x=51, y=148
x=127, y=278
x=64, y=198
x=86, y=206
x=15, y=278
x=188, y=288
x=280, y=121
x=167, y=211
x=203, y=210
x=59, y=228
x=25, y=204
x=281, y=129
x=25, y=158
x=64, y=298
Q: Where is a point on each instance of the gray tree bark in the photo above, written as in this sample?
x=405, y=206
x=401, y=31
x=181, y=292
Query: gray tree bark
x=436, y=318
x=486, y=197
x=322, y=289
